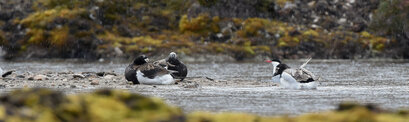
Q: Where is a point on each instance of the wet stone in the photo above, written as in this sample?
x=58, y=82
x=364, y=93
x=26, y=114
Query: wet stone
x=30, y=78
x=40, y=77
x=100, y=74
x=78, y=76
x=20, y=76
x=94, y=82
x=109, y=77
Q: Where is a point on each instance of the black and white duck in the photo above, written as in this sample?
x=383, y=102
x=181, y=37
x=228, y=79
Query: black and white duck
x=298, y=78
x=177, y=68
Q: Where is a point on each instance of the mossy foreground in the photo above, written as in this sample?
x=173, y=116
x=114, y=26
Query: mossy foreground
x=46, y=105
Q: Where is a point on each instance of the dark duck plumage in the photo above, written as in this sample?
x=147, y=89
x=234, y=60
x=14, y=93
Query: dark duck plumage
x=130, y=71
x=177, y=68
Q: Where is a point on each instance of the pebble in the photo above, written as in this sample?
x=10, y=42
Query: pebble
x=311, y=4
x=342, y=21
x=191, y=85
x=20, y=76
x=94, y=82
x=73, y=86
x=7, y=73
x=109, y=76
x=101, y=73
x=40, y=77
x=78, y=76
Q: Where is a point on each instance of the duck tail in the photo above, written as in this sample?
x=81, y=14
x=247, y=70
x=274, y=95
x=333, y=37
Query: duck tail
x=303, y=65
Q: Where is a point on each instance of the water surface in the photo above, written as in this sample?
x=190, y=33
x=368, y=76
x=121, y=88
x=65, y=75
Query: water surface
x=385, y=83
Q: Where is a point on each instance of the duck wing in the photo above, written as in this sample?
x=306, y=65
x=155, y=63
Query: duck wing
x=151, y=70
x=130, y=73
x=162, y=63
x=304, y=76
x=181, y=71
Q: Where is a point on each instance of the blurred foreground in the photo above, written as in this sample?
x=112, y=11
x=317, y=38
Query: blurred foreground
x=46, y=105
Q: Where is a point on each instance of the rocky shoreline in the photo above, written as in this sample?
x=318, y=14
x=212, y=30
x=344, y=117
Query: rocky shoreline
x=97, y=80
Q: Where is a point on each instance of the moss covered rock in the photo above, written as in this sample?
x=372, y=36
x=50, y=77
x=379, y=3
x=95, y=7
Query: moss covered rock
x=100, y=106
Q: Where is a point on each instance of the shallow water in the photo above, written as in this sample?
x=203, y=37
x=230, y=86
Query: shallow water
x=385, y=83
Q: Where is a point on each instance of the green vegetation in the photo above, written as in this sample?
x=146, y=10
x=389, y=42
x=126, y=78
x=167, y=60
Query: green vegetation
x=101, y=106
x=98, y=28
x=113, y=105
x=392, y=19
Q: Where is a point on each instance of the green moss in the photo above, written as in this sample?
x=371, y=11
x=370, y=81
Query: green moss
x=311, y=32
x=100, y=106
x=59, y=36
x=207, y=3
x=282, y=2
x=114, y=105
x=42, y=18
x=202, y=24
x=252, y=26
x=36, y=36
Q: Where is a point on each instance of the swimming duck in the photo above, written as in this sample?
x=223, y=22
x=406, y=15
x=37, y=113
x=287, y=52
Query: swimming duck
x=299, y=78
x=130, y=71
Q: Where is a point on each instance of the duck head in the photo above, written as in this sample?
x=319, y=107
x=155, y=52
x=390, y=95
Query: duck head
x=172, y=59
x=275, y=63
x=142, y=59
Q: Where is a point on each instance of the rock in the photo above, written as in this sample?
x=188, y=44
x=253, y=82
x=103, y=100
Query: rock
x=20, y=76
x=314, y=26
x=30, y=78
x=73, y=86
x=109, y=77
x=118, y=51
x=94, y=82
x=289, y=5
x=100, y=74
x=6, y=74
x=191, y=85
x=40, y=77
x=211, y=79
x=342, y=21
x=311, y=4
x=65, y=80
x=78, y=76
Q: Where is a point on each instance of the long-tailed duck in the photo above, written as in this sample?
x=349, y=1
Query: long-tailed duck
x=130, y=71
x=153, y=74
x=299, y=78
x=177, y=68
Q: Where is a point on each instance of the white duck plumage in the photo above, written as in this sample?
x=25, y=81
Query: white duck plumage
x=165, y=79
